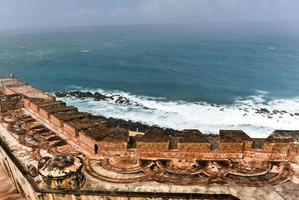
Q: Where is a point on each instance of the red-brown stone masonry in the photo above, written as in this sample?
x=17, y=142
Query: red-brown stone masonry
x=67, y=128
x=86, y=147
x=281, y=148
x=86, y=140
x=267, y=147
x=44, y=114
x=293, y=154
x=194, y=147
x=278, y=157
x=34, y=107
x=276, y=147
x=113, y=146
x=26, y=103
x=151, y=150
x=248, y=145
x=56, y=121
x=57, y=128
x=8, y=91
x=170, y=155
x=152, y=155
x=152, y=146
x=231, y=147
x=38, y=115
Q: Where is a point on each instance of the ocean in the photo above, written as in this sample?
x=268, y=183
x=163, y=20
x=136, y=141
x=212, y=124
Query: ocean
x=181, y=76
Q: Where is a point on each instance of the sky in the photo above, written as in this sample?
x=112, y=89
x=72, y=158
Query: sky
x=16, y=14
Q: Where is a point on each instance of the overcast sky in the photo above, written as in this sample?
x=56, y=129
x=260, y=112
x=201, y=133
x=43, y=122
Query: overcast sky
x=57, y=13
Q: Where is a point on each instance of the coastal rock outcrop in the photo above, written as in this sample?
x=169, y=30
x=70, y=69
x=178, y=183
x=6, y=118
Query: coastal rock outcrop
x=130, y=125
x=96, y=96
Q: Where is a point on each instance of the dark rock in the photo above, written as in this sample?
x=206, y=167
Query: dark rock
x=60, y=94
x=112, y=122
x=275, y=111
x=97, y=97
x=264, y=110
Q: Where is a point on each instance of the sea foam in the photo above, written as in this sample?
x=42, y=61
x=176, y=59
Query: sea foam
x=84, y=51
x=209, y=118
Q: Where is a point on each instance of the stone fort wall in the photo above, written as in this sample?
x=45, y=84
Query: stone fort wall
x=280, y=145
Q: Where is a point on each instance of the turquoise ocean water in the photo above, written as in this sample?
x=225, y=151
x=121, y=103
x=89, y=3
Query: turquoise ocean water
x=186, y=76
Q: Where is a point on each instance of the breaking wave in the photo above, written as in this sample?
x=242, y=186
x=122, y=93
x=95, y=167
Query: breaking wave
x=256, y=115
x=84, y=51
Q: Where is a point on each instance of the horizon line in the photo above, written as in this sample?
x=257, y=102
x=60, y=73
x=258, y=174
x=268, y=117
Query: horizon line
x=40, y=28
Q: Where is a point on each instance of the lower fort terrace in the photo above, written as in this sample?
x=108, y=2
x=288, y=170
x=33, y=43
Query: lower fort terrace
x=52, y=151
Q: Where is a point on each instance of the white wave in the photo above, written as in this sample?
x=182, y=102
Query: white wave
x=206, y=117
x=84, y=51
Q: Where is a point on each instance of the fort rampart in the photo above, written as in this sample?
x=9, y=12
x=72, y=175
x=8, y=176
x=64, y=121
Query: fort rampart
x=101, y=141
x=42, y=140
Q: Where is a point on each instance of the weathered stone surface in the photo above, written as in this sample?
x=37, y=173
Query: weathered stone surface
x=62, y=172
x=153, y=159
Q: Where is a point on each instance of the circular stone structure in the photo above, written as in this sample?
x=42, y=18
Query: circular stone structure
x=62, y=172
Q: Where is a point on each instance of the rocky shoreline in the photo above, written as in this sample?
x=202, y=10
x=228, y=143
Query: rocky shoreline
x=269, y=114
x=96, y=96
x=113, y=122
x=121, y=100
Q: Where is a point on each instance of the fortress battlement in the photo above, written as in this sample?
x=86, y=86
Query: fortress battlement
x=67, y=150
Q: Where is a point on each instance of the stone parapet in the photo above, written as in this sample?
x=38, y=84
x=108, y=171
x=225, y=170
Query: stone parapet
x=153, y=160
x=100, y=140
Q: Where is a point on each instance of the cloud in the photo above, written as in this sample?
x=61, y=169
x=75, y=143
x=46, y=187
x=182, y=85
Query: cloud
x=219, y=10
x=158, y=7
x=44, y=13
